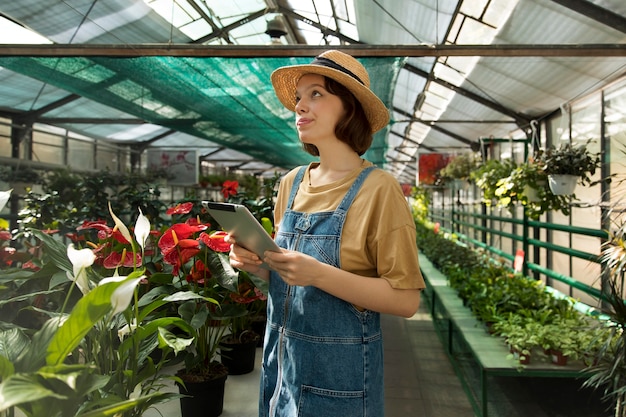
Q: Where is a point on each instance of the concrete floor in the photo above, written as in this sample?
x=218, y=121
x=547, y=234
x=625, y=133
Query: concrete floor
x=419, y=380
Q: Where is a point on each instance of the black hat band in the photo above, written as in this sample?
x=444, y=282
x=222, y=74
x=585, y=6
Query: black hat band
x=325, y=62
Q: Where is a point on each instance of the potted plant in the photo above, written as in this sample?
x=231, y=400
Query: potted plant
x=561, y=340
x=91, y=347
x=19, y=178
x=200, y=278
x=608, y=366
x=238, y=346
x=459, y=169
x=566, y=165
x=528, y=185
x=488, y=175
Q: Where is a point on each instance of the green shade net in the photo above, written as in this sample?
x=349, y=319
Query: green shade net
x=229, y=101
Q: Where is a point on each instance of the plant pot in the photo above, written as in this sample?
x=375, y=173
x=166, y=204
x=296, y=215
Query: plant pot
x=206, y=398
x=524, y=359
x=558, y=358
x=239, y=357
x=461, y=184
x=258, y=326
x=562, y=184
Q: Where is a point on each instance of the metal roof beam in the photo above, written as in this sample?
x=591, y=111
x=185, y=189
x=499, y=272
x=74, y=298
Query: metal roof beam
x=419, y=145
x=597, y=13
x=209, y=20
x=325, y=30
x=276, y=51
x=220, y=33
x=439, y=129
x=521, y=120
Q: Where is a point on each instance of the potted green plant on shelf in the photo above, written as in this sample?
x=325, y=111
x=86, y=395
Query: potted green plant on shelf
x=567, y=165
x=19, y=178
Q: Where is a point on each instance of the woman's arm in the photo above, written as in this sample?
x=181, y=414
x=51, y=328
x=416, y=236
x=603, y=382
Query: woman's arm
x=245, y=260
x=375, y=294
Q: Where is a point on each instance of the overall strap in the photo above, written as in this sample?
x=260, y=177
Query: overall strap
x=354, y=189
x=296, y=184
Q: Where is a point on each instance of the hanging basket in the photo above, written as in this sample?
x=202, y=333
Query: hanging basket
x=562, y=184
x=531, y=194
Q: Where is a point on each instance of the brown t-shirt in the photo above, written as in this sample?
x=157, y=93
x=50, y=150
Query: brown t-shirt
x=378, y=238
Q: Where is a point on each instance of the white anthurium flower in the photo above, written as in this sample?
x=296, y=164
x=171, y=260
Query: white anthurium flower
x=121, y=297
x=4, y=197
x=142, y=229
x=120, y=226
x=80, y=259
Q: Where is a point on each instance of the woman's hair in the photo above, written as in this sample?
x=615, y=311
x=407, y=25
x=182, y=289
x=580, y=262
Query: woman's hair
x=354, y=128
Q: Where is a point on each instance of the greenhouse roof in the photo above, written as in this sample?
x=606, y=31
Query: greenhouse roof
x=176, y=74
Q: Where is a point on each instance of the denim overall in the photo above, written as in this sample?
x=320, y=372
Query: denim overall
x=322, y=356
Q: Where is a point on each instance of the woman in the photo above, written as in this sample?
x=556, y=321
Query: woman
x=349, y=251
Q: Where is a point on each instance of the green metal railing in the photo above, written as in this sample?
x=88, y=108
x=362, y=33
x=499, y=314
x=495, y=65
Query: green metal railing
x=454, y=220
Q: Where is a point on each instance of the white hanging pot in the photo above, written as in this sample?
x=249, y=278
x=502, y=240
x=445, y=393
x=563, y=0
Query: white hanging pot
x=562, y=184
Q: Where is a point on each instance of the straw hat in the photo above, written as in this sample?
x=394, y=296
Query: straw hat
x=342, y=68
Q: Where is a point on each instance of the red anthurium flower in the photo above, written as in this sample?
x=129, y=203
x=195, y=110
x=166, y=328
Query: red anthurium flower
x=115, y=259
x=229, y=188
x=199, y=273
x=181, y=208
x=117, y=235
x=104, y=231
x=5, y=235
x=215, y=241
x=5, y=255
x=180, y=253
x=75, y=237
x=246, y=295
x=177, y=232
x=30, y=265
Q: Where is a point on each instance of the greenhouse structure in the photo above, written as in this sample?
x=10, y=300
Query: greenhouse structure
x=120, y=119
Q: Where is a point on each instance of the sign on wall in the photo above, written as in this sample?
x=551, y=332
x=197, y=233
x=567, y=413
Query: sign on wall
x=181, y=165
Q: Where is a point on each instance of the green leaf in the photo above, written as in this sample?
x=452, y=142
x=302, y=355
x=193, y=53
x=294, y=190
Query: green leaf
x=87, y=312
x=6, y=368
x=12, y=343
x=23, y=388
x=33, y=357
x=55, y=249
x=177, y=344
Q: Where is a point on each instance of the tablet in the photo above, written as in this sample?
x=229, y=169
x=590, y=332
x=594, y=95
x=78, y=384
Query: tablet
x=237, y=220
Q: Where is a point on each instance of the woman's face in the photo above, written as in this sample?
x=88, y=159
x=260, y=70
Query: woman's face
x=317, y=110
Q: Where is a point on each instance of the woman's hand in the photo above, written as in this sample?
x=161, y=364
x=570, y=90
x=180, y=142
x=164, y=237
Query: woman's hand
x=245, y=260
x=295, y=268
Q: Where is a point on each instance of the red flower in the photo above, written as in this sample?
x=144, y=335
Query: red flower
x=30, y=265
x=177, y=232
x=115, y=259
x=180, y=208
x=104, y=231
x=176, y=246
x=215, y=241
x=246, y=295
x=5, y=235
x=5, y=256
x=229, y=188
x=179, y=254
x=199, y=272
